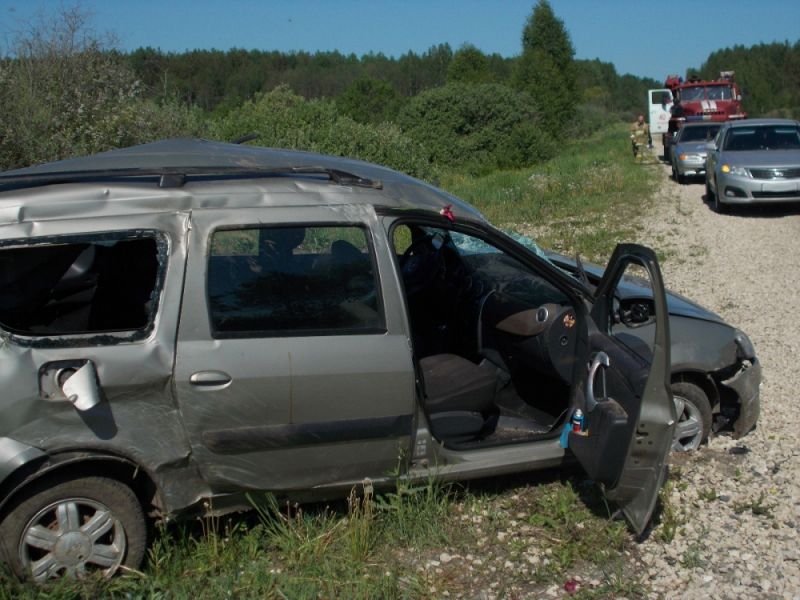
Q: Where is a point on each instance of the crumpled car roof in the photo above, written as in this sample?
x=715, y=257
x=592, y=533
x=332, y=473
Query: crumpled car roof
x=397, y=189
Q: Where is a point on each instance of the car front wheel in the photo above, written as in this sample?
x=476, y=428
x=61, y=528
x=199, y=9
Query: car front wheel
x=73, y=528
x=719, y=206
x=709, y=192
x=694, y=416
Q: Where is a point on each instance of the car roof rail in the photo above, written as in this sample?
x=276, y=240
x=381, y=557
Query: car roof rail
x=174, y=177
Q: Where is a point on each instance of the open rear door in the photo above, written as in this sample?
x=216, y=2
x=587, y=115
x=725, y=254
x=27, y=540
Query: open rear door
x=625, y=394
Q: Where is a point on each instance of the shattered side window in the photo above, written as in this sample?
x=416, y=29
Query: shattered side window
x=79, y=285
x=293, y=281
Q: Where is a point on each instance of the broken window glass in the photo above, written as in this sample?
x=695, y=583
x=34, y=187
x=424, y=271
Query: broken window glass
x=91, y=284
x=292, y=281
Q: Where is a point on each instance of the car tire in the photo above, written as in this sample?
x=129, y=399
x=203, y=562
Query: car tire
x=694, y=416
x=719, y=206
x=72, y=528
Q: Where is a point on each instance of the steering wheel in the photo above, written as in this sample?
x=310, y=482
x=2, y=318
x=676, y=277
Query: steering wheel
x=421, y=262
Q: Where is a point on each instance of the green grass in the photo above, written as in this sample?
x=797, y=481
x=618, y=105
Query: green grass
x=381, y=546
x=585, y=200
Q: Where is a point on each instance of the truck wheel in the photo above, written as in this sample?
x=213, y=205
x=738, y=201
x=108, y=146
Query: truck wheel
x=694, y=416
x=72, y=528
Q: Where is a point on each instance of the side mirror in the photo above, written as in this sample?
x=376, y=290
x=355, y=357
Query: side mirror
x=711, y=147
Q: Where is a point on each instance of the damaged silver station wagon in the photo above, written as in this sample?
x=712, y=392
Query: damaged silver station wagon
x=185, y=322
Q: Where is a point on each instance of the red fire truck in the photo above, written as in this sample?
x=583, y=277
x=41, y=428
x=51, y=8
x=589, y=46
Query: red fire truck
x=682, y=102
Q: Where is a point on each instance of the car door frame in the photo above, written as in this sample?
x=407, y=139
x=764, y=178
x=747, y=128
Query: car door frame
x=635, y=488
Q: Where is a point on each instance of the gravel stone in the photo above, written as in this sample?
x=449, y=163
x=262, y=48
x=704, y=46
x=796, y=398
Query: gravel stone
x=746, y=267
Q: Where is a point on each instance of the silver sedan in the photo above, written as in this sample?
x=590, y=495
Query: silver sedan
x=754, y=161
x=689, y=152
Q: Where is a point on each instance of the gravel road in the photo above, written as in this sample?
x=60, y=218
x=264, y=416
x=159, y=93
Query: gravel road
x=740, y=536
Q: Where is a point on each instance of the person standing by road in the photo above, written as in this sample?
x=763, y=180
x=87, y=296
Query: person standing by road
x=640, y=136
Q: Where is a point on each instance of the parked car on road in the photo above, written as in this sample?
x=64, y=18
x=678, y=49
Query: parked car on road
x=754, y=161
x=186, y=322
x=689, y=150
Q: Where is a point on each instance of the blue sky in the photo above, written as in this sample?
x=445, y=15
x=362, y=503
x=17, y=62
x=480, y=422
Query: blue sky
x=643, y=37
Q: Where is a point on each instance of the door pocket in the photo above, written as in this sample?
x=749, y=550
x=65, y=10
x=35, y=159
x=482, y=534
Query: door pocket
x=600, y=454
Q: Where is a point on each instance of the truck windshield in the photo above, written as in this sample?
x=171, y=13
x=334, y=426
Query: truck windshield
x=708, y=92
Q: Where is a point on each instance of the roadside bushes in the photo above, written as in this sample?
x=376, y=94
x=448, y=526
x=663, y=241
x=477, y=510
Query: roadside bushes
x=476, y=126
x=283, y=119
x=64, y=93
x=369, y=100
x=479, y=127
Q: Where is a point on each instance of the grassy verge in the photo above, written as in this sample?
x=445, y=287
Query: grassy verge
x=527, y=538
x=585, y=200
x=426, y=542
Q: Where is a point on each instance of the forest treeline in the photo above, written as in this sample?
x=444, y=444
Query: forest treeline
x=217, y=80
x=64, y=91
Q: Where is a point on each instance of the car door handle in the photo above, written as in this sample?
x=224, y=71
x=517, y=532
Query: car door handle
x=600, y=360
x=210, y=379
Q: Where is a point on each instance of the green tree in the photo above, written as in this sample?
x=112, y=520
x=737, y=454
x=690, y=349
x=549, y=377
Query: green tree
x=284, y=119
x=477, y=126
x=469, y=65
x=65, y=92
x=546, y=32
x=546, y=69
x=369, y=100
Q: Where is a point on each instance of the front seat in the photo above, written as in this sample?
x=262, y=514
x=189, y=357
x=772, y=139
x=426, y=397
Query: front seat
x=459, y=395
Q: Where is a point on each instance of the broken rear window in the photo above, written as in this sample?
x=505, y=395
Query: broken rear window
x=79, y=285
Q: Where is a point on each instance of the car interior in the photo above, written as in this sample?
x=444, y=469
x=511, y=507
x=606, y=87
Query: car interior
x=495, y=342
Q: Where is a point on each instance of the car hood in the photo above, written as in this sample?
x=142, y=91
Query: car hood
x=696, y=147
x=762, y=158
x=678, y=305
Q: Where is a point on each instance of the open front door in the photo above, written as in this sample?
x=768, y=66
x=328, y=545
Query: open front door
x=659, y=104
x=625, y=392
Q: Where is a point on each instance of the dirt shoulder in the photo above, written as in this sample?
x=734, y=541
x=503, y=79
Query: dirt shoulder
x=738, y=513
